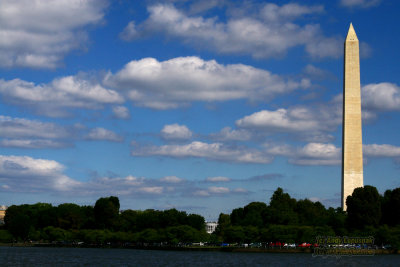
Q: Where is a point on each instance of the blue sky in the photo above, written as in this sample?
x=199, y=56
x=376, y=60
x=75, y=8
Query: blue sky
x=203, y=106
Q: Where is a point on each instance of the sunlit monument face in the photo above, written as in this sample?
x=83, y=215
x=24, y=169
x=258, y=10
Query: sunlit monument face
x=352, y=159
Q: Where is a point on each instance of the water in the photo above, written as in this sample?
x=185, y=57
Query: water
x=31, y=256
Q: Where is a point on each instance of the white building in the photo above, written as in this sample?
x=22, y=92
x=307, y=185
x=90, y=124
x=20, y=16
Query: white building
x=211, y=226
x=2, y=213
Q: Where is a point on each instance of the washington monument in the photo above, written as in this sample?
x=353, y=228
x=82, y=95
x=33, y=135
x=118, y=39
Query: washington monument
x=352, y=158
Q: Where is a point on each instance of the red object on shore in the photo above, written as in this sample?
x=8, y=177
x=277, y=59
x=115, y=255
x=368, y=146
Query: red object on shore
x=304, y=245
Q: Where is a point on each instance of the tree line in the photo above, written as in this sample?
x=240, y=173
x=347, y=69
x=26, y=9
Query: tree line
x=99, y=224
x=284, y=219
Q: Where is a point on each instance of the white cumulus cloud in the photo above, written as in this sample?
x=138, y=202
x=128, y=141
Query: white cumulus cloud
x=121, y=112
x=171, y=179
x=53, y=98
x=270, y=32
x=22, y=128
x=228, y=134
x=180, y=81
x=152, y=189
x=24, y=133
x=176, y=132
x=307, y=123
x=218, y=190
x=32, y=175
x=360, y=3
x=100, y=134
x=317, y=154
x=218, y=179
x=280, y=120
x=39, y=33
x=210, y=151
x=32, y=143
x=383, y=150
x=381, y=97
x=129, y=31
x=310, y=154
x=26, y=174
x=240, y=190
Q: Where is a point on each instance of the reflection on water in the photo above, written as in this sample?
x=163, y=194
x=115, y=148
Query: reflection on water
x=30, y=256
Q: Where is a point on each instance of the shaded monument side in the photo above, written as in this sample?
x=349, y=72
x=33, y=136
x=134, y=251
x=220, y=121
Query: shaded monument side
x=352, y=159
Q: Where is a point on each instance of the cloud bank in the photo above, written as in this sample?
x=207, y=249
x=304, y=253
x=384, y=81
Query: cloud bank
x=269, y=32
x=38, y=34
x=176, y=132
x=210, y=151
x=381, y=97
x=53, y=99
x=359, y=3
x=179, y=81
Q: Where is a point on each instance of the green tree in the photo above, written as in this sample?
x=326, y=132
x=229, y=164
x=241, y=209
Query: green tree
x=281, y=209
x=171, y=217
x=252, y=214
x=394, y=237
x=336, y=219
x=129, y=220
x=196, y=221
x=43, y=214
x=106, y=211
x=363, y=207
x=282, y=233
x=184, y=233
x=391, y=207
x=17, y=221
x=56, y=234
x=382, y=235
x=70, y=216
x=224, y=221
x=90, y=221
x=306, y=234
x=237, y=216
x=252, y=234
x=324, y=230
x=234, y=234
x=148, y=219
x=5, y=236
x=149, y=236
x=311, y=213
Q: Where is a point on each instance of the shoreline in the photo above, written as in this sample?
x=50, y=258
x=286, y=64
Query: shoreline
x=190, y=248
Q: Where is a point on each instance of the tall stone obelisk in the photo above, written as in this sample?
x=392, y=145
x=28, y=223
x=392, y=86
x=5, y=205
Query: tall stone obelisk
x=352, y=159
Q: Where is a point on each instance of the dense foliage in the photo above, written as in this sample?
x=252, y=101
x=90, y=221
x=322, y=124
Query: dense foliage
x=100, y=224
x=285, y=219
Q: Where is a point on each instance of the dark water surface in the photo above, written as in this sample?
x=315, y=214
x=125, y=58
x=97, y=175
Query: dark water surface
x=34, y=256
